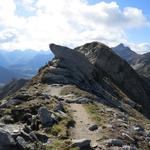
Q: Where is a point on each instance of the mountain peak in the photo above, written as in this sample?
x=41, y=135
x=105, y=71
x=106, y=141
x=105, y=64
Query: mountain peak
x=125, y=52
x=121, y=45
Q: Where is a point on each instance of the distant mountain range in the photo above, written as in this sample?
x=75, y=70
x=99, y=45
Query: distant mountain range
x=141, y=63
x=25, y=64
x=21, y=64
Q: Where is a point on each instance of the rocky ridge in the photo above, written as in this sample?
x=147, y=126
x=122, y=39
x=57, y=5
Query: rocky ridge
x=91, y=81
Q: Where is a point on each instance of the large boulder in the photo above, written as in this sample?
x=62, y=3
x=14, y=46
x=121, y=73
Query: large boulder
x=81, y=143
x=45, y=117
x=6, y=140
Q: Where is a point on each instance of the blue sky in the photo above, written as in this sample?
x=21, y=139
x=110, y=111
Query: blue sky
x=138, y=34
x=33, y=24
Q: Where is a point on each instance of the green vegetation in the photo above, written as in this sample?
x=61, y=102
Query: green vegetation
x=69, y=89
x=60, y=145
x=61, y=129
x=93, y=110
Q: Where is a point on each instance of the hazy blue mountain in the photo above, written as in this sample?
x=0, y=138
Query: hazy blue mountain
x=31, y=67
x=7, y=75
x=18, y=64
x=17, y=56
x=3, y=60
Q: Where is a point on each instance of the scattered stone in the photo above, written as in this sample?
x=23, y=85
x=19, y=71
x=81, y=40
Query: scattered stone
x=93, y=127
x=114, y=142
x=41, y=137
x=27, y=118
x=127, y=137
x=81, y=143
x=33, y=136
x=59, y=107
x=94, y=145
x=27, y=129
x=22, y=144
x=35, y=123
x=26, y=136
x=126, y=147
x=62, y=114
x=138, y=128
x=43, y=95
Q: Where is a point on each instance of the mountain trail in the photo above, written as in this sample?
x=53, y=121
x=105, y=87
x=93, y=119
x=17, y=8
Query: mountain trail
x=82, y=123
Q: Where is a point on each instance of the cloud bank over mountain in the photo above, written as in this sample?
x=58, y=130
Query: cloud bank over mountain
x=35, y=23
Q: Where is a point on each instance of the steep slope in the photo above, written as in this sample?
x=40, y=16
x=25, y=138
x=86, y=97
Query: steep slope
x=12, y=87
x=142, y=65
x=118, y=69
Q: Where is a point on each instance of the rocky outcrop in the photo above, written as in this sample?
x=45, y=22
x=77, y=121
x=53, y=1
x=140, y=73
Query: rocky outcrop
x=96, y=68
x=6, y=140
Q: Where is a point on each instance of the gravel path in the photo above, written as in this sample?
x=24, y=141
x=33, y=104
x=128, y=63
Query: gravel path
x=82, y=123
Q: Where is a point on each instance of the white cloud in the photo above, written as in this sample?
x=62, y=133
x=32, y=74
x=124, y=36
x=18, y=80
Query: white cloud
x=140, y=48
x=67, y=22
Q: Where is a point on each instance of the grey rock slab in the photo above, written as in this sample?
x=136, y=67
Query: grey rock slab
x=127, y=147
x=5, y=138
x=114, y=142
x=93, y=127
x=81, y=143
